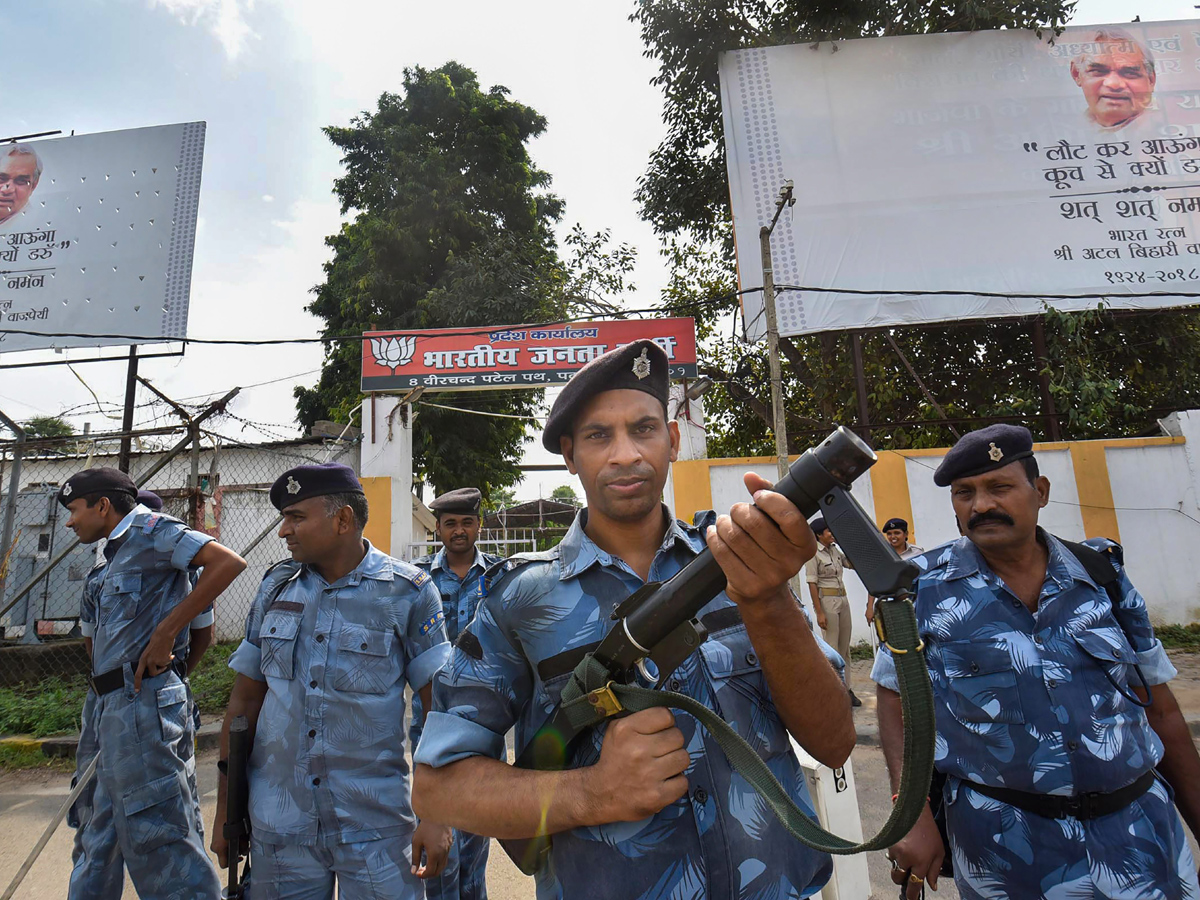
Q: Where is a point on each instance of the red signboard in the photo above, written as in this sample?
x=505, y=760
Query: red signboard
x=455, y=359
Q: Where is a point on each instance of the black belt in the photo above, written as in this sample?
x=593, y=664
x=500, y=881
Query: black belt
x=1081, y=806
x=114, y=679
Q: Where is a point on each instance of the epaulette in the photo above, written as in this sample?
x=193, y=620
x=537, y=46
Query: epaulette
x=294, y=567
x=498, y=570
x=1108, y=547
x=408, y=571
x=422, y=561
x=147, y=521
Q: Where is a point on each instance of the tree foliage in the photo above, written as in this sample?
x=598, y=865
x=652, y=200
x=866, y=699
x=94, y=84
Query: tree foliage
x=566, y=494
x=451, y=225
x=47, y=427
x=1110, y=373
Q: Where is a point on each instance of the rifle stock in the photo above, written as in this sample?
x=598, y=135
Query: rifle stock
x=237, y=807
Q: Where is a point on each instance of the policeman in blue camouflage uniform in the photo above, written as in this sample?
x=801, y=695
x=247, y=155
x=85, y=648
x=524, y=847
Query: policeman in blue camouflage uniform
x=649, y=806
x=332, y=638
x=457, y=570
x=200, y=632
x=142, y=811
x=1061, y=781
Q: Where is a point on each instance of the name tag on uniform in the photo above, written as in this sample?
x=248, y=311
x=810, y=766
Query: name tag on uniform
x=286, y=606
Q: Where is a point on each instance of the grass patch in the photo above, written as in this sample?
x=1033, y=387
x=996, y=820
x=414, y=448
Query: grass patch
x=17, y=756
x=862, y=650
x=1180, y=637
x=47, y=707
x=213, y=679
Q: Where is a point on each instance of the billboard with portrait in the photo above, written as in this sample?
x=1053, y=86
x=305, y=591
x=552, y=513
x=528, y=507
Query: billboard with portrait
x=96, y=237
x=945, y=167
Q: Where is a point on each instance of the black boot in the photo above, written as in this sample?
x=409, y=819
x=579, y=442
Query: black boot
x=854, y=701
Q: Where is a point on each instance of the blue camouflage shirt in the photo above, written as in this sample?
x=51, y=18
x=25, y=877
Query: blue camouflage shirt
x=328, y=762
x=1025, y=700
x=143, y=576
x=720, y=840
x=460, y=599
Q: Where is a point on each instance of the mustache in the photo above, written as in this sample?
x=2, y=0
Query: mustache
x=980, y=518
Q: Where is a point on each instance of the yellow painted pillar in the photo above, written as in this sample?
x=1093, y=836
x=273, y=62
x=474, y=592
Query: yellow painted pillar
x=379, y=523
x=693, y=489
x=889, y=485
x=1090, y=463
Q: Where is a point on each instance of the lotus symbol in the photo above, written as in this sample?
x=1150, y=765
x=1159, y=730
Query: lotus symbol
x=394, y=352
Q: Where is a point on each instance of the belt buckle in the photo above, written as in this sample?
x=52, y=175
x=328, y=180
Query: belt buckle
x=1081, y=806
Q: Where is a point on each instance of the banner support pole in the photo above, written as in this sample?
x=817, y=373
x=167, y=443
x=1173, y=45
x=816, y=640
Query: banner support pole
x=1042, y=361
x=131, y=375
x=768, y=275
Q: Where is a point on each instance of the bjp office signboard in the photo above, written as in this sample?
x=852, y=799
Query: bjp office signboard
x=995, y=162
x=504, y=358
x=96, y=237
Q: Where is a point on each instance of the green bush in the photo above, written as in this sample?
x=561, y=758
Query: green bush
x=213, y=679
x=1180, y=637
x=47, y=707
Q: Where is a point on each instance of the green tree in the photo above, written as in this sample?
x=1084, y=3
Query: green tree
x=451, y=226
x=566, y=494
x=47, y=427
x=1110, y=373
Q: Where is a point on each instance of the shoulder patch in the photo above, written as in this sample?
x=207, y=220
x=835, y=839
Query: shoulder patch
x=1108, y=547
x=469, y=644
x=432, y=622
x=420, y=578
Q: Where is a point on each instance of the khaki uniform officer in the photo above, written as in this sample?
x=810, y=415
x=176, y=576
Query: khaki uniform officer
x=824, y=576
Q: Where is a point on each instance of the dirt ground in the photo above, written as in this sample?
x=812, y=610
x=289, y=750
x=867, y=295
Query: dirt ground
x=29, y=799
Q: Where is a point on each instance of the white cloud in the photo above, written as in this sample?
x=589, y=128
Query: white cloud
x=267, y=198
x=226, y=19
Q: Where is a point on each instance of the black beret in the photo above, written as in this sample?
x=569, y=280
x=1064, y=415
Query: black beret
x=150, y=500
x=892, y=524
x=640, y=366
x=315, y=480
x=96, y=481
x=818, y=524
x=463, y=500
x=984, y=450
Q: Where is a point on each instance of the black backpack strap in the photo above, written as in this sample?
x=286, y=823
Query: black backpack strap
x=1098, y=567
x=1101, y=571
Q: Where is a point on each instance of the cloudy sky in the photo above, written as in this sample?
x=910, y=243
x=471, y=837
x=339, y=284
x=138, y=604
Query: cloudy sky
x=266, y=75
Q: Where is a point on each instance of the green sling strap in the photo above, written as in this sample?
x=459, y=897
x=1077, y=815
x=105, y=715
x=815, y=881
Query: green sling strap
x=589, y=698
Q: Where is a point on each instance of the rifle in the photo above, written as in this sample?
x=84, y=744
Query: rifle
x=237, y=808
x=658, y=622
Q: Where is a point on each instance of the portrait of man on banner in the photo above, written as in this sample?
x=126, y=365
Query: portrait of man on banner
x=1116, y=73
x=20, y=171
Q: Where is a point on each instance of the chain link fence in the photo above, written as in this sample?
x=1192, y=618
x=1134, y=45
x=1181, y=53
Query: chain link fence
x=219, y=487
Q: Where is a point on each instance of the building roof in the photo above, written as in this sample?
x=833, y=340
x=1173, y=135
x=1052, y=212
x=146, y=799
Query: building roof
x=534, y=514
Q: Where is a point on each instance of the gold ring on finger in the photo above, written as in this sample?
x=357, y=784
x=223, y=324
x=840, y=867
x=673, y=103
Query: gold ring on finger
x=916, y=879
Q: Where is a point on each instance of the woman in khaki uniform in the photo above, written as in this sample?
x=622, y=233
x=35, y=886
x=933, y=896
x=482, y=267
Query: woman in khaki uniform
x=824, y=576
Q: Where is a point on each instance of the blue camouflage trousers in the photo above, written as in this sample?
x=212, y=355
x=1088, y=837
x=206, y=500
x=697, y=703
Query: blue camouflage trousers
x=1000, y=851
x=364, y=870
x=465, y=872
x=142, y=810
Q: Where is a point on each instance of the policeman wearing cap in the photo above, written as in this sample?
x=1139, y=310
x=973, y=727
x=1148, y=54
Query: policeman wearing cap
x=332, y=638
x=649, y=807
x=828, y=591
x=896, y=532
x=1064, y=751
x=141, y=813
x=457, y=570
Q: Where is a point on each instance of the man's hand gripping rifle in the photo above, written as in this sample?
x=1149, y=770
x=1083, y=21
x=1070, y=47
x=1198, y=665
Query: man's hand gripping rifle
x=658, y=623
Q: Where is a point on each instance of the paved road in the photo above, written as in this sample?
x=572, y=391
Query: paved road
x=29, y=799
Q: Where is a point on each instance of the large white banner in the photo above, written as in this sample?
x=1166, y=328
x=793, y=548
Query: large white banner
x=96, y=236
x=994, y=162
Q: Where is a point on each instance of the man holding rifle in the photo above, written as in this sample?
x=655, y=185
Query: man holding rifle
x=649, y=806
x=332, y=638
